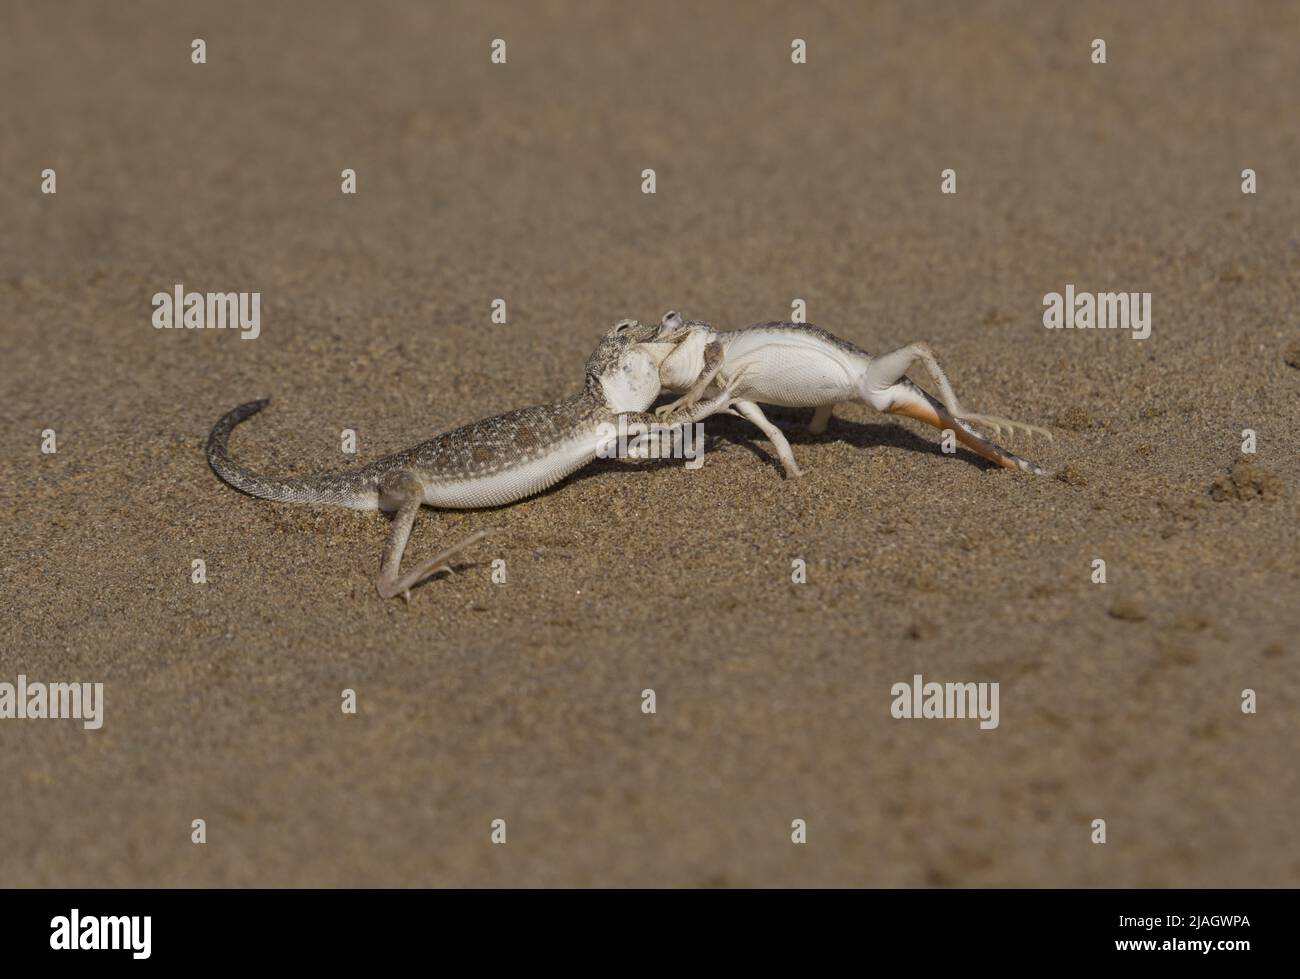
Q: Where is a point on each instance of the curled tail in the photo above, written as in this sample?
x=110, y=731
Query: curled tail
x=912, y=401
x=354, y=489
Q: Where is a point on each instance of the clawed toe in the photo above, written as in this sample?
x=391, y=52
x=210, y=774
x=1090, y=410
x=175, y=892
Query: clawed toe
x=391, y=588
x=665, y=410
x=999, y=425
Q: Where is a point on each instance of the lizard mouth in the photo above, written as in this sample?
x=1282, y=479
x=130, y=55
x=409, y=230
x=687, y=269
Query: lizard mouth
x=665, y=342
x=672, y=330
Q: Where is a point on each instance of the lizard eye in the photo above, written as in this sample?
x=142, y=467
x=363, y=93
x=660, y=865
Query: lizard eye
x=624, y=325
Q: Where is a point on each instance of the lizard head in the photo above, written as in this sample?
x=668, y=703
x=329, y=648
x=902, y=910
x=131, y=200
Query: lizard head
x=669, y=334
x=679, y=346
x=623, y=370
x=673, y=329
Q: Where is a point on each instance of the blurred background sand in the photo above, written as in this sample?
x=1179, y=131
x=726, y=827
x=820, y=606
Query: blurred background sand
x=522, y=701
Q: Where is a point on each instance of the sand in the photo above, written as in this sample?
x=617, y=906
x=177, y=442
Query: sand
x=522, y=701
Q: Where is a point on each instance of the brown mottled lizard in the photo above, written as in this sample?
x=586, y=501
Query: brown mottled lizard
x=490, y=463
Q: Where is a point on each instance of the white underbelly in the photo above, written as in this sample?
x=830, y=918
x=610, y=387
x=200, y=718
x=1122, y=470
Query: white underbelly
x=524, y=478
x=794, y=373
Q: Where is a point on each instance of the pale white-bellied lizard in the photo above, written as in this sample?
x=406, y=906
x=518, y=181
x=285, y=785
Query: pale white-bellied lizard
x=490, y=463
x=797, y=365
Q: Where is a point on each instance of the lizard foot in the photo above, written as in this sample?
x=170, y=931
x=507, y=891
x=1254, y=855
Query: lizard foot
x=999, y=424
x=665, y=410
x=403, y=585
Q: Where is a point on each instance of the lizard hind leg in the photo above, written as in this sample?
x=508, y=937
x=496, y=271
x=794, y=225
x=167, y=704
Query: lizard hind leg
x=884, y=372
x=910, y=401
x=404, y=493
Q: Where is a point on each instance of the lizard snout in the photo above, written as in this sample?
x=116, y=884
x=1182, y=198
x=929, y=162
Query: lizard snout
x=672, y=328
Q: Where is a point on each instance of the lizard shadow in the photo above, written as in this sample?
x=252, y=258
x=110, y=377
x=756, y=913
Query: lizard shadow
x=793, y=423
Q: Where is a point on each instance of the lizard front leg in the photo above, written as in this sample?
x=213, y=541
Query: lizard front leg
x=713, y=356
x=651, y=428
x=754, y=413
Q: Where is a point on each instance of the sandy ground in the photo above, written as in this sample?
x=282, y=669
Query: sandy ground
x=522, y=701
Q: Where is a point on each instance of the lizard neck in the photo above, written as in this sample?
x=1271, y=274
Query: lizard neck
x=683, y=365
